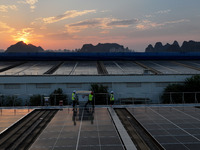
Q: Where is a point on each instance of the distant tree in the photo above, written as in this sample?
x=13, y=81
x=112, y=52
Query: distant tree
x=190, y=88
x=172, y=92
x=12, y=101
x=100, y=93
x=192, y=84
x=35, y=100
x=56, y=96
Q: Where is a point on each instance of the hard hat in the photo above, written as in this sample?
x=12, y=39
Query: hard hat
x=74, y=91
x=111, y=92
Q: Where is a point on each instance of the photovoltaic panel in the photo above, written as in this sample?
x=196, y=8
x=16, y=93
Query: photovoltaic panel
x=81, y=130
x=10, y=116
x=172, y=127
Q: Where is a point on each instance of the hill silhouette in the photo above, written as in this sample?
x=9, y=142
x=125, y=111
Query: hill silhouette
x=191, y=46
x=23, y=47
x=106, y=47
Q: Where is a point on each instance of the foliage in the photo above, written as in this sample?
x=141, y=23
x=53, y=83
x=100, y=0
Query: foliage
x=192, y=84
x=11, y=101
x=173, y=93
x=100, y=94
x=35, y=100
x=56, y=96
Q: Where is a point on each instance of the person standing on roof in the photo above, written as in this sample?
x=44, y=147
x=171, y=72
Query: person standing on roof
x=112, y=98
x=90, y=100
x=74, y=99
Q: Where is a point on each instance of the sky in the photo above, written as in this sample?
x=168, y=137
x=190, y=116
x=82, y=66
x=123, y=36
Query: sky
x=68, y=24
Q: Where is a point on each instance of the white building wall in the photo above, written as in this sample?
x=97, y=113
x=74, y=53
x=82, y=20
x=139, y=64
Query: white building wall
x=138, y=86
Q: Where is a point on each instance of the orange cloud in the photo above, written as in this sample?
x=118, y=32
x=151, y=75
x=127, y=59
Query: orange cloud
x=5, y=28
x=81, y=25
x=27, y=35
x=102, y=23
x=5, y=8
x=147, y=24
x=29, y=2
x=67, y=15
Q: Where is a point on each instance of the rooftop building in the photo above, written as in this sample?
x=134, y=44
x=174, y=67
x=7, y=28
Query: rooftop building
x=133, y=80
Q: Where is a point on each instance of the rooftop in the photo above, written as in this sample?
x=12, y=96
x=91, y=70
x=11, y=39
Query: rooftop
x=171, y=126
x=71, y=68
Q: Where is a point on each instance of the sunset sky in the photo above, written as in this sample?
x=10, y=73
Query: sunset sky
x=68, y=24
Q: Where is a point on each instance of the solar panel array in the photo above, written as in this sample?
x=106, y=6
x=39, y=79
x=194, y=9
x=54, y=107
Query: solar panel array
x=173, y=127
x=90, y=67
x=81, y=130
x=10, y=116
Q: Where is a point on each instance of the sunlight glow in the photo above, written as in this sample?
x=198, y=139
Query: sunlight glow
x=26, y=41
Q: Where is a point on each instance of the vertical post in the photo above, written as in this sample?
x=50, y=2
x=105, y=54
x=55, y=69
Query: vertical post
x=131, y=100
x=183, y=99
x=159, y=97
x=40, y=100
x=26, y=87
x=55, y=100
x=66, y=100
x=94, y=99
x=196, y=101
x=170, y=98
x=1, y=100
x=107, y=98
x=13, y=101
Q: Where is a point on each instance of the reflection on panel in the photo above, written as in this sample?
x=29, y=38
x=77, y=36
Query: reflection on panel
x=80, y=129
x=129, y=67
x=85, y=68
x=66, y=68
x=6, y=64
x=10, y=116
x=38, y=68
x=30, y=68
x=112, y=67
x=169, y=67
x=191, y=63
x=172, y=127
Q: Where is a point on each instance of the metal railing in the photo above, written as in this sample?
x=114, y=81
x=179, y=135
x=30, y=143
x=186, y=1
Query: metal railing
x=101, y=99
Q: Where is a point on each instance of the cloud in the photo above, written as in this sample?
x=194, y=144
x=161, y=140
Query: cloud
x=92, y=23
x=101, y=23
x=66, y=15
x=147, y=24
x=4, y=28
x=160, y=12
x=105, y=32
x=5, y=8
x=163, y=11
x=26, y=33
x=22, y=34
x=122, y=23
x=59, y=36
x=29, y=2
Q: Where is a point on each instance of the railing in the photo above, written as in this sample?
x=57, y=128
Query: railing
x=94, y=73
x=102, y=99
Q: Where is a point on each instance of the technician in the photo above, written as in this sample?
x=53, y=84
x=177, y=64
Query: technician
x=90, y=100
x=112, y=98
x=74, y=99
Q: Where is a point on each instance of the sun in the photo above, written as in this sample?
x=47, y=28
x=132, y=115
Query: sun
x=23, y=39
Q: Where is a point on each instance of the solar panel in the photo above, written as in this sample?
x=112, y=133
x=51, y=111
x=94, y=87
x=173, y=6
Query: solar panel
x=10, y=116
x=172, y=127
x=83, y=129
